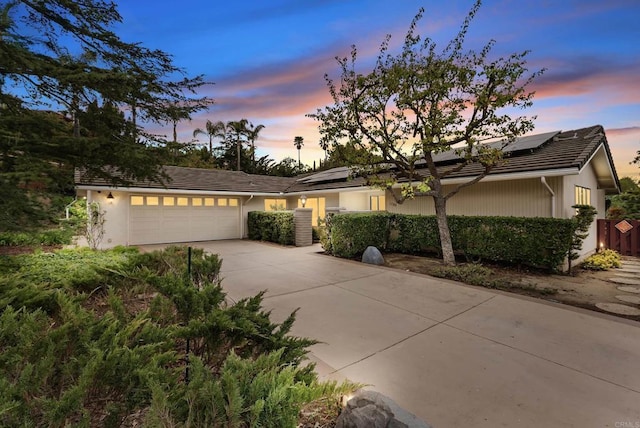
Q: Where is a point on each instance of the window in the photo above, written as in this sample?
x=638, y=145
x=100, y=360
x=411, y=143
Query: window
x=209, y=202
x=168, y=201
x=183, y=202
x=153, y=200
x=277, y=204
x=377, y=203
x=222, y=202
x=233, y=202
x=137, y=200
x=583, y=195
x=196, y=202
x=318, y=207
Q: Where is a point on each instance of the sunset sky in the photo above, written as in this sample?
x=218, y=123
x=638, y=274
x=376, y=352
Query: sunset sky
x=268, y=58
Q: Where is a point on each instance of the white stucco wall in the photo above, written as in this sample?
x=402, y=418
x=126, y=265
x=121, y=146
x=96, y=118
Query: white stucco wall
x=116, y=216
x=586, y=178
x=250, y=204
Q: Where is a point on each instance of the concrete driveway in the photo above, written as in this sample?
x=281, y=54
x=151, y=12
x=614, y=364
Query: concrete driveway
x=454, y=355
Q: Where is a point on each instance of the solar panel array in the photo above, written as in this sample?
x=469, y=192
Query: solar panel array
x=529, y=142
x=339, y=173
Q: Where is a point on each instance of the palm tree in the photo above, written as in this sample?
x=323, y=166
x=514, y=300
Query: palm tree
x=211, y=130
x=298, y=142
x=252, y=135
x=238, y=129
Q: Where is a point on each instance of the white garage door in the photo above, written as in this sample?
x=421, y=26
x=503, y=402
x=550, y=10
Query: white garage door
x=164, y=219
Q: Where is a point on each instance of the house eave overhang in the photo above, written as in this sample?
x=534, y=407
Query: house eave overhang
x=603, y=169
x=366, y=189
x=176, y=191
x=510, y=176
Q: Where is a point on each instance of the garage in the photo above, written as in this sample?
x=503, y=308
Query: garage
x=155, y=219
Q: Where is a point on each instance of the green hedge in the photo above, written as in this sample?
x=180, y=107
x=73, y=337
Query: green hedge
x=275, y=226
x=539, y=242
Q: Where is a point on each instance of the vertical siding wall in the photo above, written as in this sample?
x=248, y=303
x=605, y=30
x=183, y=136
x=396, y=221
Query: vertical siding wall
x=520, y=198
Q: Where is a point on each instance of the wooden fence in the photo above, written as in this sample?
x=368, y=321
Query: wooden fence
x=620, y=235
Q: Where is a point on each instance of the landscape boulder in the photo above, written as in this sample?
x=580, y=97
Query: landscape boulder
x=372, y=256
x=370, y=409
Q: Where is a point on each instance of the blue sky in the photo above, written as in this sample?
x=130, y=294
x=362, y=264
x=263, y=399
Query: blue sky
x=267, y=59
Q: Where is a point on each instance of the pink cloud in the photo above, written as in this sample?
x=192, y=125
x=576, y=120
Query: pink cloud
x=616, y=83
x=624, y=144
x=279, y=96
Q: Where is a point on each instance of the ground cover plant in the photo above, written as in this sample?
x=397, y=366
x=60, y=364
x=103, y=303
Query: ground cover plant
x=99, y=338
x=602, y=260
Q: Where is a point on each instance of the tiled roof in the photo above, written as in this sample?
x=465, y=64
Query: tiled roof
x=562, y=150
x=565, y=150
x=215, y=180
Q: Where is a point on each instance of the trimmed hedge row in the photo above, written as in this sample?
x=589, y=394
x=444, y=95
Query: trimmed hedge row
x=275, y=226
x=539, y=242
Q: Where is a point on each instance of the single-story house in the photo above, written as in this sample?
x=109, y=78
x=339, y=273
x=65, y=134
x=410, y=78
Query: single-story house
x=542, y=175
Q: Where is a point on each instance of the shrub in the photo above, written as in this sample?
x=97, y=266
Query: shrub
x=60, y=236
x=251, y=393
x=351, y=234
x=602, y=260
x=74, y=355
x=538, y=242
x=582, y=221
x=272, y=226
x=324, y=232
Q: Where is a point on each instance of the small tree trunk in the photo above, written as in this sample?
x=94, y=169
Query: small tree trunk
x=448, y=257
x=253, y=154
x=238, y=152
x=175, y=131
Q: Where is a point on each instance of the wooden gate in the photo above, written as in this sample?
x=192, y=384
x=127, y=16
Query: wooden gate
x=620, y=235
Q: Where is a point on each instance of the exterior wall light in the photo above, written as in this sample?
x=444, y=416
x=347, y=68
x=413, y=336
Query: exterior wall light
x=110, y=196
x=303, y=200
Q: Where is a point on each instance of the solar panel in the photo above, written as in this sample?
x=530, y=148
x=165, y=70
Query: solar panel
x=529, y=142
x=449, y=155
x=339, y=173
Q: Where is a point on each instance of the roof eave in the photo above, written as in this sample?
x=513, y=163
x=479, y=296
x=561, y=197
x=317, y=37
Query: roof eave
x=611, y=184
x=511, y=176
x=177, y=191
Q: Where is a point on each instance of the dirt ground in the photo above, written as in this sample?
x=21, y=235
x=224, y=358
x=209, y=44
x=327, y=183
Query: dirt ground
x=583, y=289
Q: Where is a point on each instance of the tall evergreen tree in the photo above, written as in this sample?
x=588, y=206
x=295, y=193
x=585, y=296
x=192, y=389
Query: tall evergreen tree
x=63, y=56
